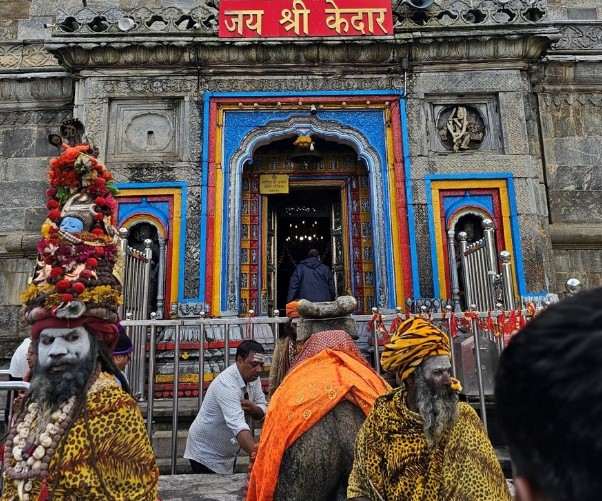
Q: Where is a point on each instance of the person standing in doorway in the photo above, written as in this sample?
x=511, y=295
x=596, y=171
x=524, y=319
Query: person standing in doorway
x=312, y=280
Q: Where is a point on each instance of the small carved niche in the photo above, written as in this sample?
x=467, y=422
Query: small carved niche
x=461, y=127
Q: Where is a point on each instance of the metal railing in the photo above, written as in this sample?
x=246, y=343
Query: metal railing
x=484, y=284
x=10, y=386
x=136, y=285
x=470, y=328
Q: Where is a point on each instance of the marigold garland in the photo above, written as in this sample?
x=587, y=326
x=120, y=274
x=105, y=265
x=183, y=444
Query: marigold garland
x=76, y=266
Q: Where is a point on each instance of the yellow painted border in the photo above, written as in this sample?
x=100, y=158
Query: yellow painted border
x=143, y=218
x=218, y=210
x=458, y=184
x=395, y=223
x=218, y=188
x=175, y=223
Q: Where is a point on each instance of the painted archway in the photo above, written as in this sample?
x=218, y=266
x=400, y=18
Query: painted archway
x=328, y=130
x=238, y=125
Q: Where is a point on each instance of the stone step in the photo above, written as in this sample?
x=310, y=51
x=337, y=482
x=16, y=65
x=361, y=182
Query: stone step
x=162, y=444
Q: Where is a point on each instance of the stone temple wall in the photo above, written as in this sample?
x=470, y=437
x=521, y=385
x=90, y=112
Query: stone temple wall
x=549, y=115
x=569, y=94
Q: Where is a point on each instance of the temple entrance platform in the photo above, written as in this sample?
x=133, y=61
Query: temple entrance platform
x=201, y=487
x=208, y=487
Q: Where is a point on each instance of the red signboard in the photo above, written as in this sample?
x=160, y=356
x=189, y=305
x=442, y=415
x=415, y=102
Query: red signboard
x=304, y=18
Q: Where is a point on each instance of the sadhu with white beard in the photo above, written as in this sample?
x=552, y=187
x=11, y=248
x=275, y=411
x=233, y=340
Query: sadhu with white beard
x=419, y=442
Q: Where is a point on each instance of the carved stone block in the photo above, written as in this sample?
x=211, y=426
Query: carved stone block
x=466, y=82
x=569, y=206
x=145, y=131
x=46, y=8
x=459, y=124
x=537, y=256
x=513, y=122
x=14, y=9
x=34, y=28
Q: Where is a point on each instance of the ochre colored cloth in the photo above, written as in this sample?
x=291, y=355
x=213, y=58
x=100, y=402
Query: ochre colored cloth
x=291, y=310
x=281, y=362
x=122, y=452
x=107, y=332
x=308, y=393
x=393, y=462
x=414, y=340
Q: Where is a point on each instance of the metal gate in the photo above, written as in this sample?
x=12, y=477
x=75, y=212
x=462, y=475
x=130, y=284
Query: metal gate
x=135, y=287
x=484, y=285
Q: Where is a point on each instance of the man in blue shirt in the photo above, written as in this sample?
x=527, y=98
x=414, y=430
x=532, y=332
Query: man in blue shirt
x=311, y=280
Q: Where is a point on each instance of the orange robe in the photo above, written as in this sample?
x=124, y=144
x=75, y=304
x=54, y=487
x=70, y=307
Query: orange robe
x=307, y=394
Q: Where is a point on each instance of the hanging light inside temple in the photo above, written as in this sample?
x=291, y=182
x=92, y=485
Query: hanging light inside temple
x=305, y=151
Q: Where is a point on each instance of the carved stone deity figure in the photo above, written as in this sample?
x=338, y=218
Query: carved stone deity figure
x=463, y=127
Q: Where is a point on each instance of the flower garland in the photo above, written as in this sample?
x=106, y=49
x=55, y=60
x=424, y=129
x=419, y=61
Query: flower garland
x=76, y=168
x=81, y=267
x=96, y=295
x=28, y=450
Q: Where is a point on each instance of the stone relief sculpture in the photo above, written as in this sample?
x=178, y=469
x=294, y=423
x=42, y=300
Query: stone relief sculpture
x=461, y=128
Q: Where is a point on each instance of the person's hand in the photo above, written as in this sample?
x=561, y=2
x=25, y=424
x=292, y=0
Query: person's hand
x=250, y=409
x=247, y=406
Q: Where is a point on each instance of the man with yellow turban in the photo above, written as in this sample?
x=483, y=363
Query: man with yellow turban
x=419, y=442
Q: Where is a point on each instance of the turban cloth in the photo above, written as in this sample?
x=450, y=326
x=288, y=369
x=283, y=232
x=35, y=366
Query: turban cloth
x=291, y=310
x=107, y=332
x=414, y=340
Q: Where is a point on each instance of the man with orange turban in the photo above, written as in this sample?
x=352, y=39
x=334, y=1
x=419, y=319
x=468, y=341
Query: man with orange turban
x=419, y=442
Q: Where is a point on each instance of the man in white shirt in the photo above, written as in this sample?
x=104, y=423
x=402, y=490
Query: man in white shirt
x=18, y=363
x=220, y=429
x=19, y=367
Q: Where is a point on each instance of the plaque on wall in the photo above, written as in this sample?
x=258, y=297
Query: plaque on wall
x=271, y=184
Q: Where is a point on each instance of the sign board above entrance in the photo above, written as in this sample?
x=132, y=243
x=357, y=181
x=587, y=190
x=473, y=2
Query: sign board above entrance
x=271, y=184
x=304, y=18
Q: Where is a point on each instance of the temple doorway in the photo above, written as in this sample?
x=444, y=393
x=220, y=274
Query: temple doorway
x=325, y=204
x=303, y=221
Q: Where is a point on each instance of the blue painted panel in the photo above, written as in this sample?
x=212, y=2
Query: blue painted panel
x=239, y=123
x=514, y=228
x=160, y=210
x=452, y=204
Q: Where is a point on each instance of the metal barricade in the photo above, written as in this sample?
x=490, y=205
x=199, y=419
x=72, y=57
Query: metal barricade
x=179, y=326
x=475, y=350
x=484, y=285
x=136, y=284
x=9, y=386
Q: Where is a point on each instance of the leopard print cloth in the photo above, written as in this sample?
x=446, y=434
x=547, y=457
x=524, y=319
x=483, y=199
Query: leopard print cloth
x=393, y=462
x=122, y=451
